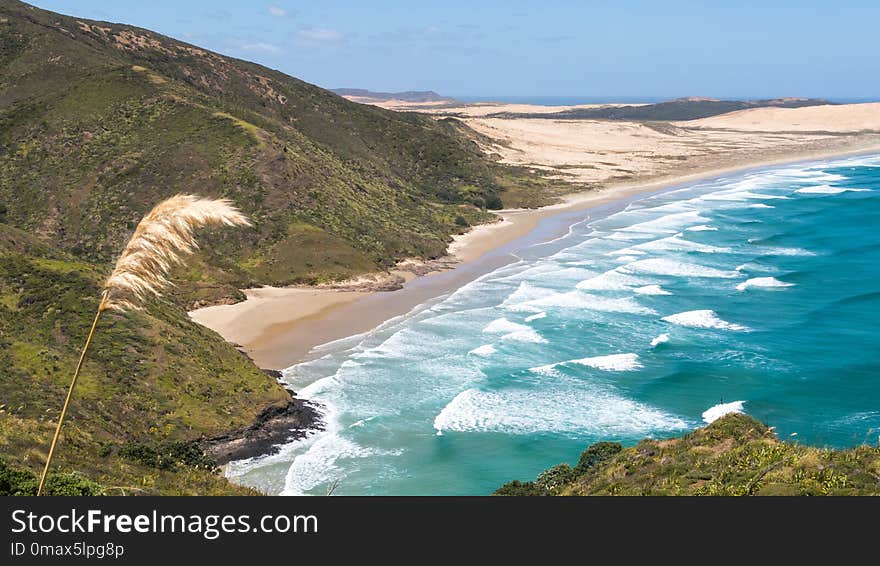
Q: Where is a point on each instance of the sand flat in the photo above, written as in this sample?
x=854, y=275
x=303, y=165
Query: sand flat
x=832, y=118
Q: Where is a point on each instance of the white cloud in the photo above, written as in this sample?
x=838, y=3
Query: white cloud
x=261, y=46
x=277, y=11
x=319, y=34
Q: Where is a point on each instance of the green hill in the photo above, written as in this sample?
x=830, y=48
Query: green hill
x=98, y=123
x=735, y=455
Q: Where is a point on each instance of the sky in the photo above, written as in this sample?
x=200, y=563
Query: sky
x=620, y=49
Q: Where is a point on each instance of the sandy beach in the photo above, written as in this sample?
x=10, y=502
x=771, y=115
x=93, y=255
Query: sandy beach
x=604, y=161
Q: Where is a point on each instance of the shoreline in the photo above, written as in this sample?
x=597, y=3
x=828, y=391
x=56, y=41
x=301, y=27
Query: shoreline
x=279, y=327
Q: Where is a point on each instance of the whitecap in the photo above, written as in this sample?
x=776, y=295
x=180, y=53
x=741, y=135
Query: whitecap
x=526, y=335
x=662, y=266
x=756, y=267
x=714, y=413
x=786, y=251
x=670, y=223
x=613, y=362
x=702, y=228
x=651, y=290
x=677, y=243
x=740, y=196
x=660, y=339
x=503, y=326
x=526, y=292
x=318, y=465
x=612, y=280
x=828, y=190
x=577, y=411
x=484, y=350
x=580, y=300
x=536, y=316
x=627, y=236
x=702, y=319
x=763, y=283
x=761, y=205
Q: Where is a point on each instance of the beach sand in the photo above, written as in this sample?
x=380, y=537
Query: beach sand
x=279, y=327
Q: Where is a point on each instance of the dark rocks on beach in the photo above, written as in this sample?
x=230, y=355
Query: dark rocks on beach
x=275, y=426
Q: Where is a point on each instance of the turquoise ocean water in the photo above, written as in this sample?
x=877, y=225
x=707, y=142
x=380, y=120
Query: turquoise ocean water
x=757, y=292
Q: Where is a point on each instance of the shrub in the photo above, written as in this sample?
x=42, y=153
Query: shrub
x=596, y=454
x=19, y=481
x=518, y=488
x=168, y=455
x=556, y=477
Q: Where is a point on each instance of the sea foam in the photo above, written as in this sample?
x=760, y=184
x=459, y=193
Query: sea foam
x=762, y=283
x=613, y=362
x=828, y=190
x=702, y=319
x=660, y=339
x=714, y=413
x=671, y=267
x=651, y=290
x=517, y=411
x=503, y=326
x=580, y=300
x=484, y=350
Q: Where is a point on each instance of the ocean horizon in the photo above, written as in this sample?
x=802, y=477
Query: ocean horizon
x=753, y=292
x=574, y=100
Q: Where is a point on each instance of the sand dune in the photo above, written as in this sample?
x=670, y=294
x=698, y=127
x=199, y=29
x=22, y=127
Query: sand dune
x=842, y=118
x=592, y=153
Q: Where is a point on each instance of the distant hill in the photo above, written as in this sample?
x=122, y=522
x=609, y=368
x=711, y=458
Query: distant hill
x=680, y=109
x=406, y=96
x=735, y=455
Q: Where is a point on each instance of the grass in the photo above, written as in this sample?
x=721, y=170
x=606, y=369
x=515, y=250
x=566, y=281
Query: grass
x=151, y=378
x=735, y=455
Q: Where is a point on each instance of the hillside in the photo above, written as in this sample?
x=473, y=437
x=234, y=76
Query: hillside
x=693, y=108
x=152, y=384
x=735, y=455
x=99, y=121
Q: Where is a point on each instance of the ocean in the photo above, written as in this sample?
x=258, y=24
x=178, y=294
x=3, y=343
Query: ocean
x=756, y=292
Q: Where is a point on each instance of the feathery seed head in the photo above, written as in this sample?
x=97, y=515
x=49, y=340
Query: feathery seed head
x=159, y=242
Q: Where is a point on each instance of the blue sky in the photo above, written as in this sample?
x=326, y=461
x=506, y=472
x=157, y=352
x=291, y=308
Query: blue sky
x=570, y=48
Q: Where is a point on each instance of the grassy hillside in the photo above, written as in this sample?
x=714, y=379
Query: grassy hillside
x=99, y=121
x=735, y=455
x=152, y=383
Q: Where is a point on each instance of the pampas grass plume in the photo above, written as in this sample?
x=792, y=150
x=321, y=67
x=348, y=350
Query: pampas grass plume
x=160, y=241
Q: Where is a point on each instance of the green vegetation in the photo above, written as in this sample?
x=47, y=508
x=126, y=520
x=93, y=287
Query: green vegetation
x=98, y=122
x=735, y=455
x=18, y=481
x=153, y=385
